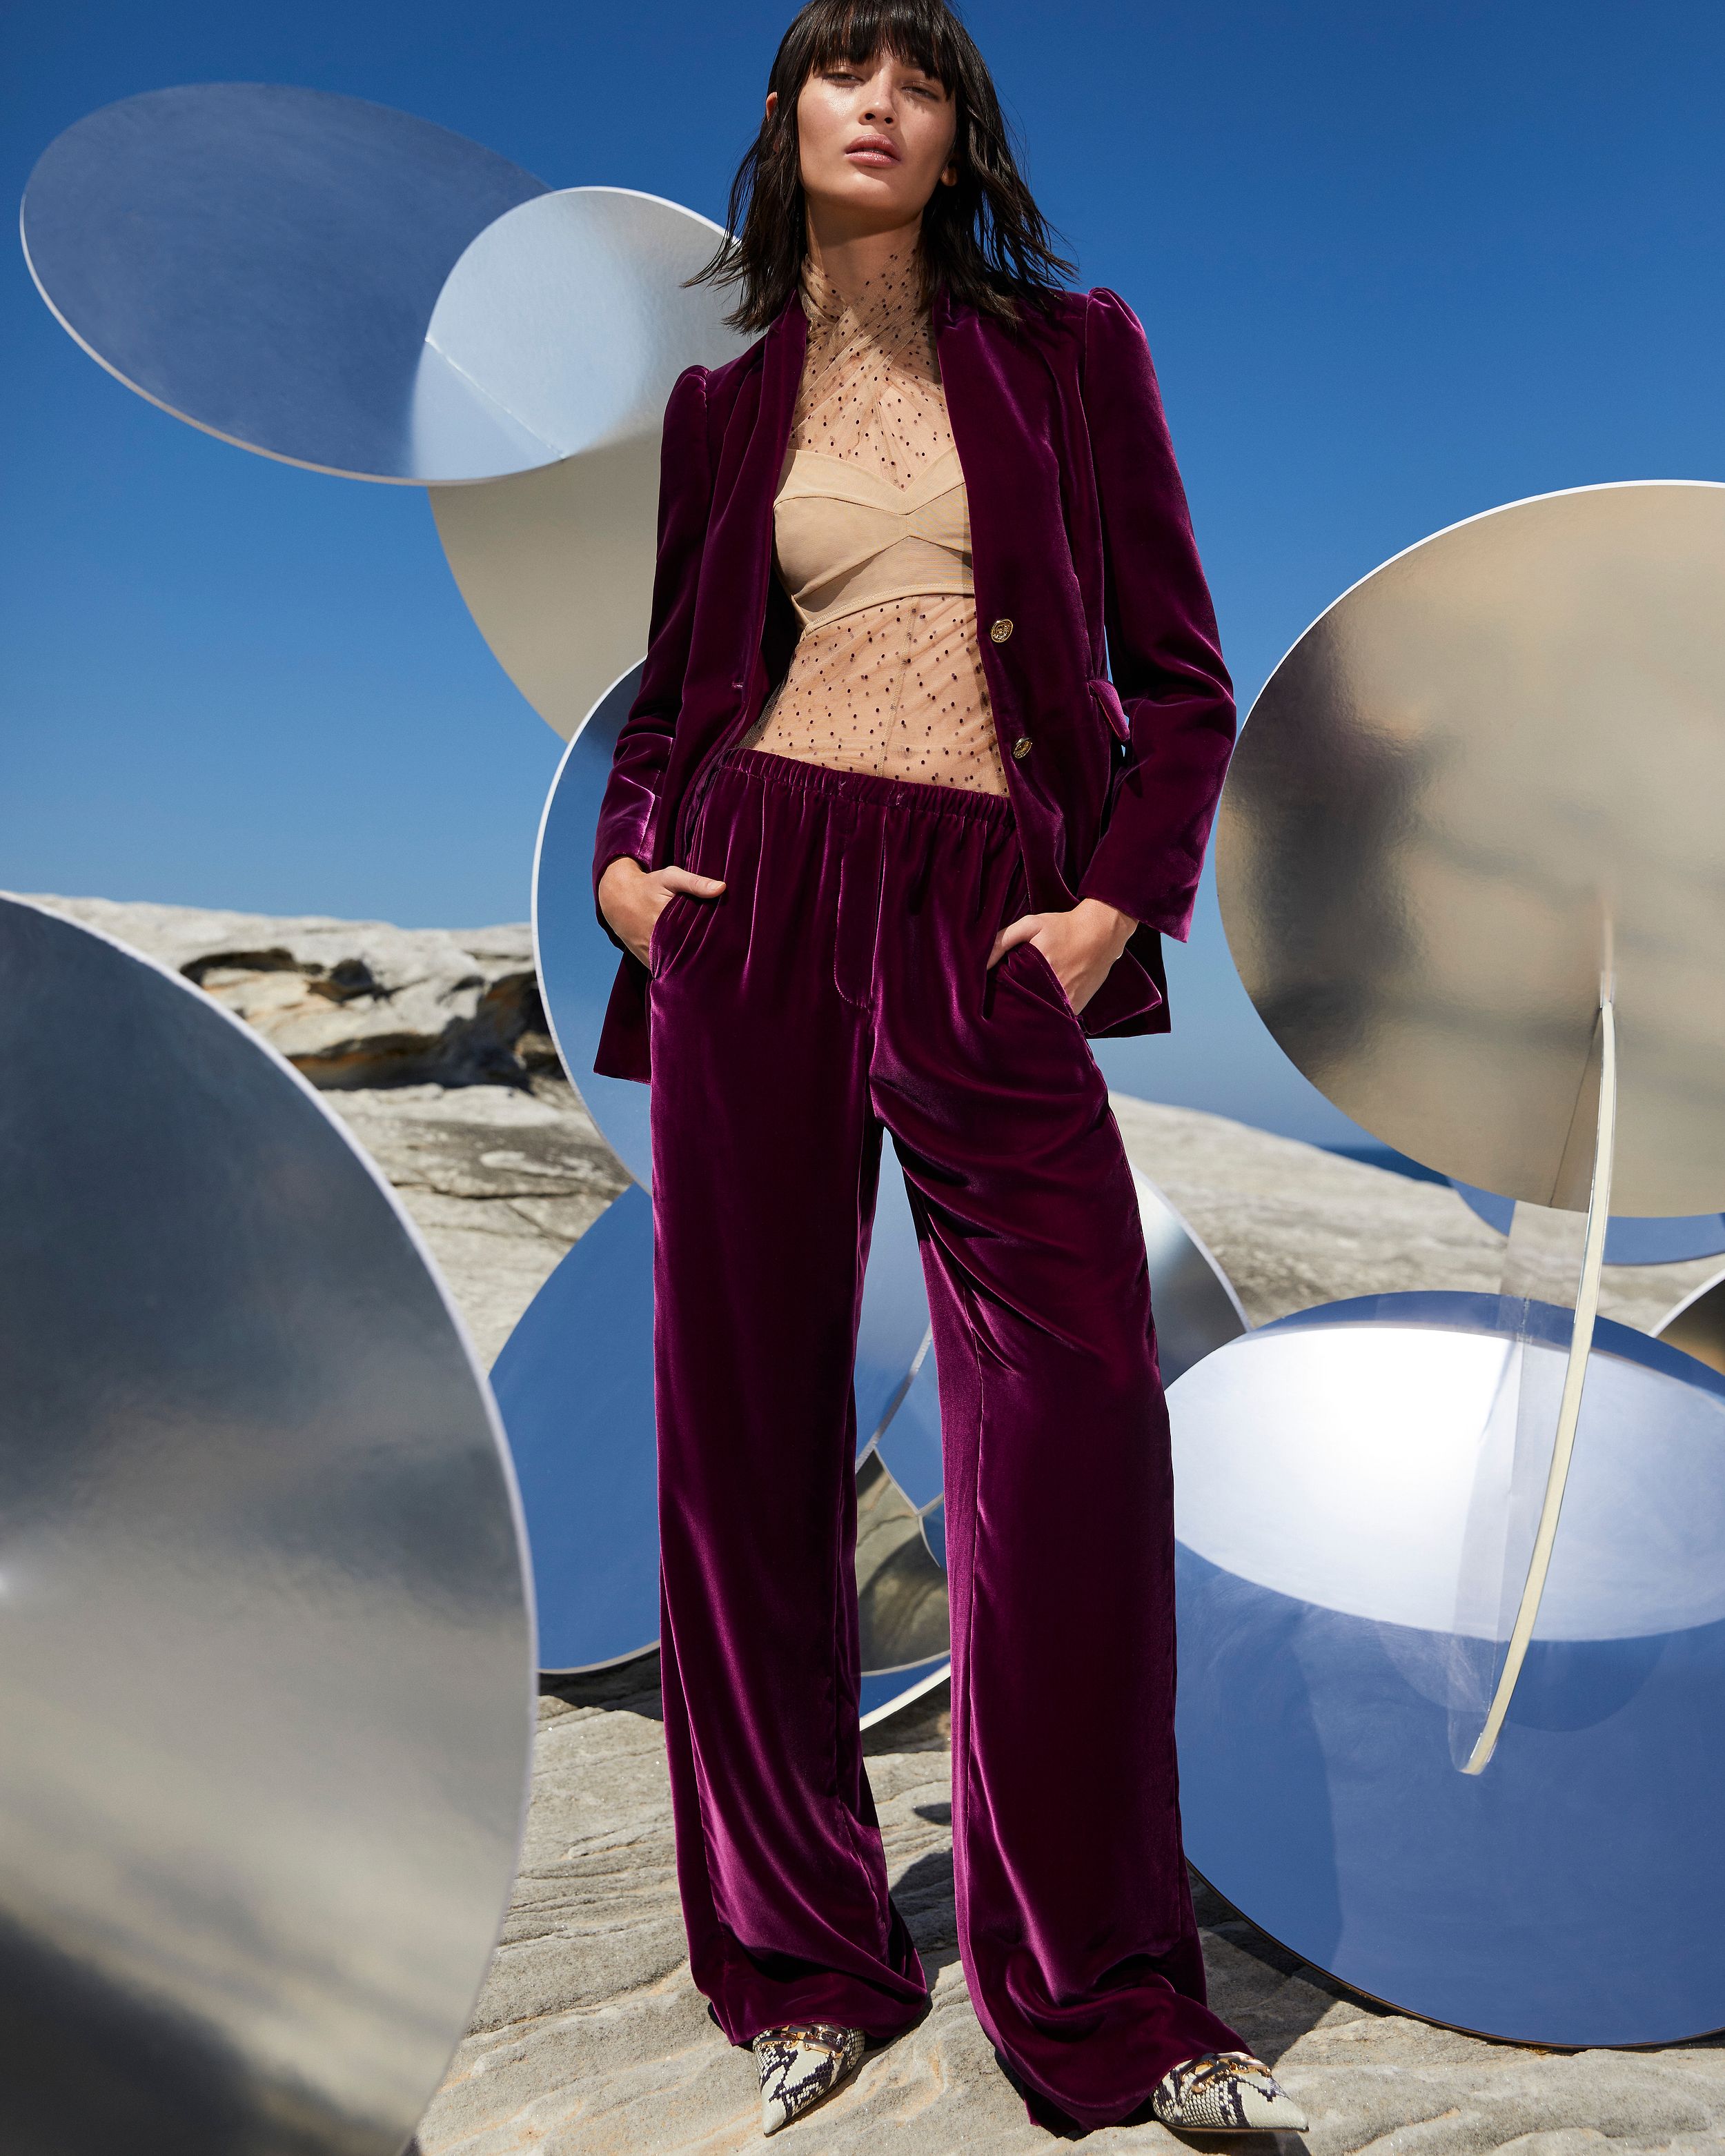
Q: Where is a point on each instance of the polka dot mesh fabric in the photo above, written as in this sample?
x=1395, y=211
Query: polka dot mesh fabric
x=872, y=542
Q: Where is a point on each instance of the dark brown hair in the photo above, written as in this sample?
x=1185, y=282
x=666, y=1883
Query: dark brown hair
x=984, y=238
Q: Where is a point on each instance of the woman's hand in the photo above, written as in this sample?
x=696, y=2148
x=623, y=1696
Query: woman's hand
x=1081, y=945
x=631, y=898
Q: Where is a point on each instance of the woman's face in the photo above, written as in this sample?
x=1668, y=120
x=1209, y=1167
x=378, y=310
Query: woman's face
x=876, y=140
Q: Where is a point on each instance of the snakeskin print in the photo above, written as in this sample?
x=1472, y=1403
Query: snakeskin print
x=798, y=2065
x=1224, y=2092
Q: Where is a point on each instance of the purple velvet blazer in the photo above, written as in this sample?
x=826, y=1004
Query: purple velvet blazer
x=1083, y=561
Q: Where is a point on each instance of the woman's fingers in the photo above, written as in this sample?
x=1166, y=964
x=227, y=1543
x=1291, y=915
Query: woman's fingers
x=697, y=886
x=1016, y=932
x=658, y=888
x=632, y=898
x=1070, y=946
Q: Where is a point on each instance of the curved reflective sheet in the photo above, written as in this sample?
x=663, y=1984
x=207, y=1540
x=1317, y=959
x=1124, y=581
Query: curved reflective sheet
x=1649, y=1239
x=266, y=1654
x=573, y=312
x=1697, y=1325
x=1192, y=1299
x=1488, y=773
x=577, y=961
x=900, y=1594
x=265, y=262
x=1329, y=1632
x=574, y=1386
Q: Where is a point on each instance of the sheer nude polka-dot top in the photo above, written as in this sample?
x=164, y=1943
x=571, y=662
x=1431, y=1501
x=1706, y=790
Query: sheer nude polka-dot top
x=872, y=543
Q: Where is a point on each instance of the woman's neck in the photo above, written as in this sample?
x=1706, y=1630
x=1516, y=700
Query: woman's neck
x=852, y=263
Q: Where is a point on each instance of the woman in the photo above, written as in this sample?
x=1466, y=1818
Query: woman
x=869, y=869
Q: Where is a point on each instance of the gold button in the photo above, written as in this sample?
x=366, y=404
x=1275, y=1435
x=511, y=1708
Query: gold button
x=1001, y=630
x=1021, y=746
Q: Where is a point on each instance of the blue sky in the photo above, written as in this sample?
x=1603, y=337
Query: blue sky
x=1398, y=263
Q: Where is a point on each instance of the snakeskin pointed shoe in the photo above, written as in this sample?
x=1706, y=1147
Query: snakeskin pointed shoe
x=1225, y=2092
x=800, y=2064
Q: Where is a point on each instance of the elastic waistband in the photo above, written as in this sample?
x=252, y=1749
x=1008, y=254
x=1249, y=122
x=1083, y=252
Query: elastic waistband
x=799, y=776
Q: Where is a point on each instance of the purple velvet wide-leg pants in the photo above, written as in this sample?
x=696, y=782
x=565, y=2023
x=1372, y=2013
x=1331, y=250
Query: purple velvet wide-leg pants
x=840, y=985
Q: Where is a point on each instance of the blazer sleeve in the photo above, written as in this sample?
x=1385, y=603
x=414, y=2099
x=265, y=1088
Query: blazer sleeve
x=1163, y=651
x=643, y=741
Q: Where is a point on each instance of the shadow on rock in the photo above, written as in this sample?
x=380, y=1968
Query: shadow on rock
x=925, y=1896
x=1271, y=1995
x=630, y=1687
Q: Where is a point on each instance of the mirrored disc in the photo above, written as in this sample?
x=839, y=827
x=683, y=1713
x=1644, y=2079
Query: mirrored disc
x=266, y=1655
x=1192, y=1299
x=883, y=1696
x=572, y=313
x=574, y=1385
x=265, y=262
x=577, y=960
x=911, y=1443
x=1329, y=1628
x=1487, y=778
x=1697, y=1325
x=1652, y=1240
x=901, y=1596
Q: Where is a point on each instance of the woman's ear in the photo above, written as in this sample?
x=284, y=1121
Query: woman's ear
x=771, y=103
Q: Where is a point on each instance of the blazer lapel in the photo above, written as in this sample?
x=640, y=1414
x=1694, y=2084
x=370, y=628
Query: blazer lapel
x=747, y=524
x=999, y=402
x=787, y=347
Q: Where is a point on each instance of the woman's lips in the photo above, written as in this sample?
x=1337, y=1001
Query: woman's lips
x=873, y=153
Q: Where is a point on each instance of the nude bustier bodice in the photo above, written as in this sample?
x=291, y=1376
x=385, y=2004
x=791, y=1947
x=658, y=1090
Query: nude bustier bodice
x=872, y=542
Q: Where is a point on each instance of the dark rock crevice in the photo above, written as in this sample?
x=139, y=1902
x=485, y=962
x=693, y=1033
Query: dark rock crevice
x=357, y=1005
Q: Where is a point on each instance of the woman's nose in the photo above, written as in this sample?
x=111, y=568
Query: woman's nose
x=880, y=104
